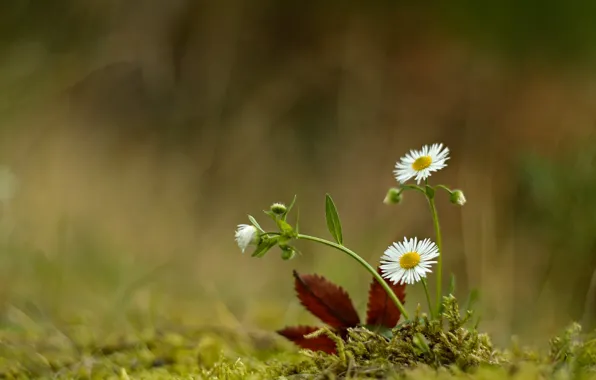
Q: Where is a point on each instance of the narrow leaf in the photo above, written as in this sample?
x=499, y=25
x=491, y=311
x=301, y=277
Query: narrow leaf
x=381, y=330
x=325, y=300
x=271, y=214
x=477, y=323
x=332, y=217
x=296, y=334
x=255, y=223
x=472, y=299
x=381, y=309
x=452, y=284
x=289, y=208
x=264, y=247
x=421, y=343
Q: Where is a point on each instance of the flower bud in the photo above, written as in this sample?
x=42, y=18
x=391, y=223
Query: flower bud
x=278, y=208
x=246, y=235
x=393, y=196
x=287, y=252
x=457, y=197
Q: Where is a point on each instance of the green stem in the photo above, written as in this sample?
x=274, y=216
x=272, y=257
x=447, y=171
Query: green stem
x=433, y=210
x=413, y=187
x=430, y=306
x=448, y=190
x=366, y=265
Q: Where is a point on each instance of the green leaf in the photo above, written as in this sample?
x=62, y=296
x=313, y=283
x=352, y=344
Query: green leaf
x=265, y=246
x=381, y=330
x=289, y=208
x=255, y=223
x=477, y=323
x=421, y=343
x=271, y=214
x=452, y=285
x=472, y=299
x=405, y=323
x=333, y=222
x=430, y=191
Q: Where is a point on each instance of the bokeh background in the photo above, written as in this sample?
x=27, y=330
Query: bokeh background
x=143, y=132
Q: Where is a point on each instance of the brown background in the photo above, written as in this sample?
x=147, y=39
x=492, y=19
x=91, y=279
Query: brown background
x=143, y=134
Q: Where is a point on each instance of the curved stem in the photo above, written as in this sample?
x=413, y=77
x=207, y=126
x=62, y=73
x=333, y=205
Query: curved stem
x=448, y=190
x=433, y=210
x=430, y=306
x=413, y=187
x=366, y=265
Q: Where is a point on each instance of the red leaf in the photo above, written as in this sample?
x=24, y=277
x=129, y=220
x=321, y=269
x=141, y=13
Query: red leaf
x=296, y=334
x=381, y=310
x=327, y=301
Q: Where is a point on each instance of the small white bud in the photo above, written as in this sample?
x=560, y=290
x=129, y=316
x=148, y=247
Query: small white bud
x=458, y=198
x=393, y=196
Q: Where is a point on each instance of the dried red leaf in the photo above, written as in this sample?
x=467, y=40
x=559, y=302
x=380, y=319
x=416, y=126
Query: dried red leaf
x=296, y=334
x=381, y=310
x=327, y=301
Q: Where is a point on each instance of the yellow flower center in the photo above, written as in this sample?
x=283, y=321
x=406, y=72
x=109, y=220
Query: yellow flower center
x=422, y=163
x=409, y=260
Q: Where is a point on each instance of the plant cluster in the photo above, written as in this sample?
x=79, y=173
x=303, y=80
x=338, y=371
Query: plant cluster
x=402, y=264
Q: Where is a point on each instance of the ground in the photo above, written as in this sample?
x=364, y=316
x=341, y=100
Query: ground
x=169, y=350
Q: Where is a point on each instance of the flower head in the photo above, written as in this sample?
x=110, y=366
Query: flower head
x=246, y=234
x=393, y=196
x=408, y=261
x=278, y=208
x=421, y=163
x=458, y=198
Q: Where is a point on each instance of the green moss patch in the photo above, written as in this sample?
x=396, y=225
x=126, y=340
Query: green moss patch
x=423, y=348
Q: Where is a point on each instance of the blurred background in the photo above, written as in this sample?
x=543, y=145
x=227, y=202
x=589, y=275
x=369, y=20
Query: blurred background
x=142, y=132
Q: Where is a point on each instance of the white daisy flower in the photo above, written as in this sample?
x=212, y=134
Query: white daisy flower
x=421, y=163
x=246, y=234
x=408, y=261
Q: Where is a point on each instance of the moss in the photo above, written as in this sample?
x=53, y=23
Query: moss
x=433, y=343
x=572, y=351
x=445, y=347
x=154, y=353
x=421, y=349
